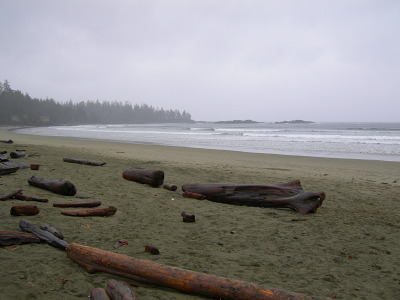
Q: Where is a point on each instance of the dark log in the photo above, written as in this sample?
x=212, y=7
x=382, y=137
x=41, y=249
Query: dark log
x=43, y=235
x=188, y=218
x=7, y=169
x=18, y=154
x=119, y=290
x=61, y=187
x=11, y=195
x=170, y=187
x=8, y=238
x=285, y=195
x=24, y=210
x=154, y=178
x=10, y=164
x=52, y=230
x=78, y=204
x=83, y=162
x=7, y=141
x=148, y=272
x=95, y=212
x=99, y=294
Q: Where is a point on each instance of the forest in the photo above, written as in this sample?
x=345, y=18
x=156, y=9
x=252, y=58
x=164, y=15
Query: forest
x=17, y=108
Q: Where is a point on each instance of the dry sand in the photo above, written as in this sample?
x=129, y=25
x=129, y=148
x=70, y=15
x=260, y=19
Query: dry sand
x=348, y=249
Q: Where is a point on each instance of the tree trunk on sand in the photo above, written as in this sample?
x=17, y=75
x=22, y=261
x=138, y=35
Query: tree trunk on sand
x=61, y=187
x=78, y=204
x=8, y=238
x=83, y=161
x=43, y=235
x=148, y=272
x=154, y=178
x=95, y=212
x=24, y=210
x=285, y=195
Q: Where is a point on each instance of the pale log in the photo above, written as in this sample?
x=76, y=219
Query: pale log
x=61, y=187
x=154, y=178
x=83, y=161
x=52, y=230
x=285, y=195
x=43, y=235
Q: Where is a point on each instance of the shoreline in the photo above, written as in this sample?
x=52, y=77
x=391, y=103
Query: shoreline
x=348, y=248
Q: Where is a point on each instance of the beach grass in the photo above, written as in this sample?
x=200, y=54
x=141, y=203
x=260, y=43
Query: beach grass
x=348, y=249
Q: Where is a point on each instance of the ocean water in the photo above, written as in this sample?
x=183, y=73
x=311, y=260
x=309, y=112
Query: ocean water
x=372, y=141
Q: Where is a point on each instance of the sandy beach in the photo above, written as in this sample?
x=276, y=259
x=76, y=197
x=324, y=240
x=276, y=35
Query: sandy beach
x=348, y=249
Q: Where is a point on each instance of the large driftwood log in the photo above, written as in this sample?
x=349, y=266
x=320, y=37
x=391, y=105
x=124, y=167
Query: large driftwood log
x=94, y=212
x=43, y=235
x=61, y=187
x=8, y=238
x=24, y=210
x=285, y=195
x=7, y=169
x=78, y=204
x=18, y=154
x=154, y=178
x=83, y=161
x=148, y=272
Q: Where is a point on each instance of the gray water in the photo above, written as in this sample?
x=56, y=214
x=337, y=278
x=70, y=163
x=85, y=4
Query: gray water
x=372, y=141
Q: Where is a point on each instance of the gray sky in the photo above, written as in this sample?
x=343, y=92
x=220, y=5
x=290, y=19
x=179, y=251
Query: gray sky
x=271, y=60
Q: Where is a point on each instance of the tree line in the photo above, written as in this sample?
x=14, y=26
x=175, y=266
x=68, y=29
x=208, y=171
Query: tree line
x=17, y=108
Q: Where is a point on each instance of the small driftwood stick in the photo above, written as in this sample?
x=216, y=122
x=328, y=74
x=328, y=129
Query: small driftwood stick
x=18, y=154
x=43, y=235
x=8, y=238
x=99, y=294
x=154, y=178
x=284, y=195
x=61, y=187
x=197, y=196
x=170, y=187
x=52, y=230
x=148, y=272
x=119, y=290
x=11, y=195
x=24, y=210
x=29, y=198
x=95, y=212
x=78, y=204
x=83, y=162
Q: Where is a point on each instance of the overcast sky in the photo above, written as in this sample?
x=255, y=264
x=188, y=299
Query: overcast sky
x=271, y=60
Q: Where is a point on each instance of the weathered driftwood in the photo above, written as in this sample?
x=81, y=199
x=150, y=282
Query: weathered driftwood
x=18, y=153
x=119, y=290
x=197, y=196
x=170, y=187
x=61, y=187
x=7, y=141
x=52, y=230
x=43, y=235
x=78, y=204
x=148, y=272
x=8, y=238
x=154, y=178
x=24, y=210
x=188, y=218
x=11, y=164
x=99, y=294
x=94, y=212
x=10, y=195
x=83, y=161
x=285, y=195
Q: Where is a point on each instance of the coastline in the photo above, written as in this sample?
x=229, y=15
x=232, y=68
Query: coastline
x=348, y=248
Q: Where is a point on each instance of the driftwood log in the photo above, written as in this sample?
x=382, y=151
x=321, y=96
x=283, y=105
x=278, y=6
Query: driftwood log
x=17, y=194
x=8, y=238
x=83, y=161
x=94, y=212
x=61, y=187
x=7, y=169
x=18, y=154
x=154, y=178
x=24, y=210
x=148, y=272
x=285, y=195
x=10, y=195
x=78, y=204
x=52, y=230
x=7, y=141
x=170, y=187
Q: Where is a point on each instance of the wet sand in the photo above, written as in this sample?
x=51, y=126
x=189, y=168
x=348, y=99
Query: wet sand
x=349, y=248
